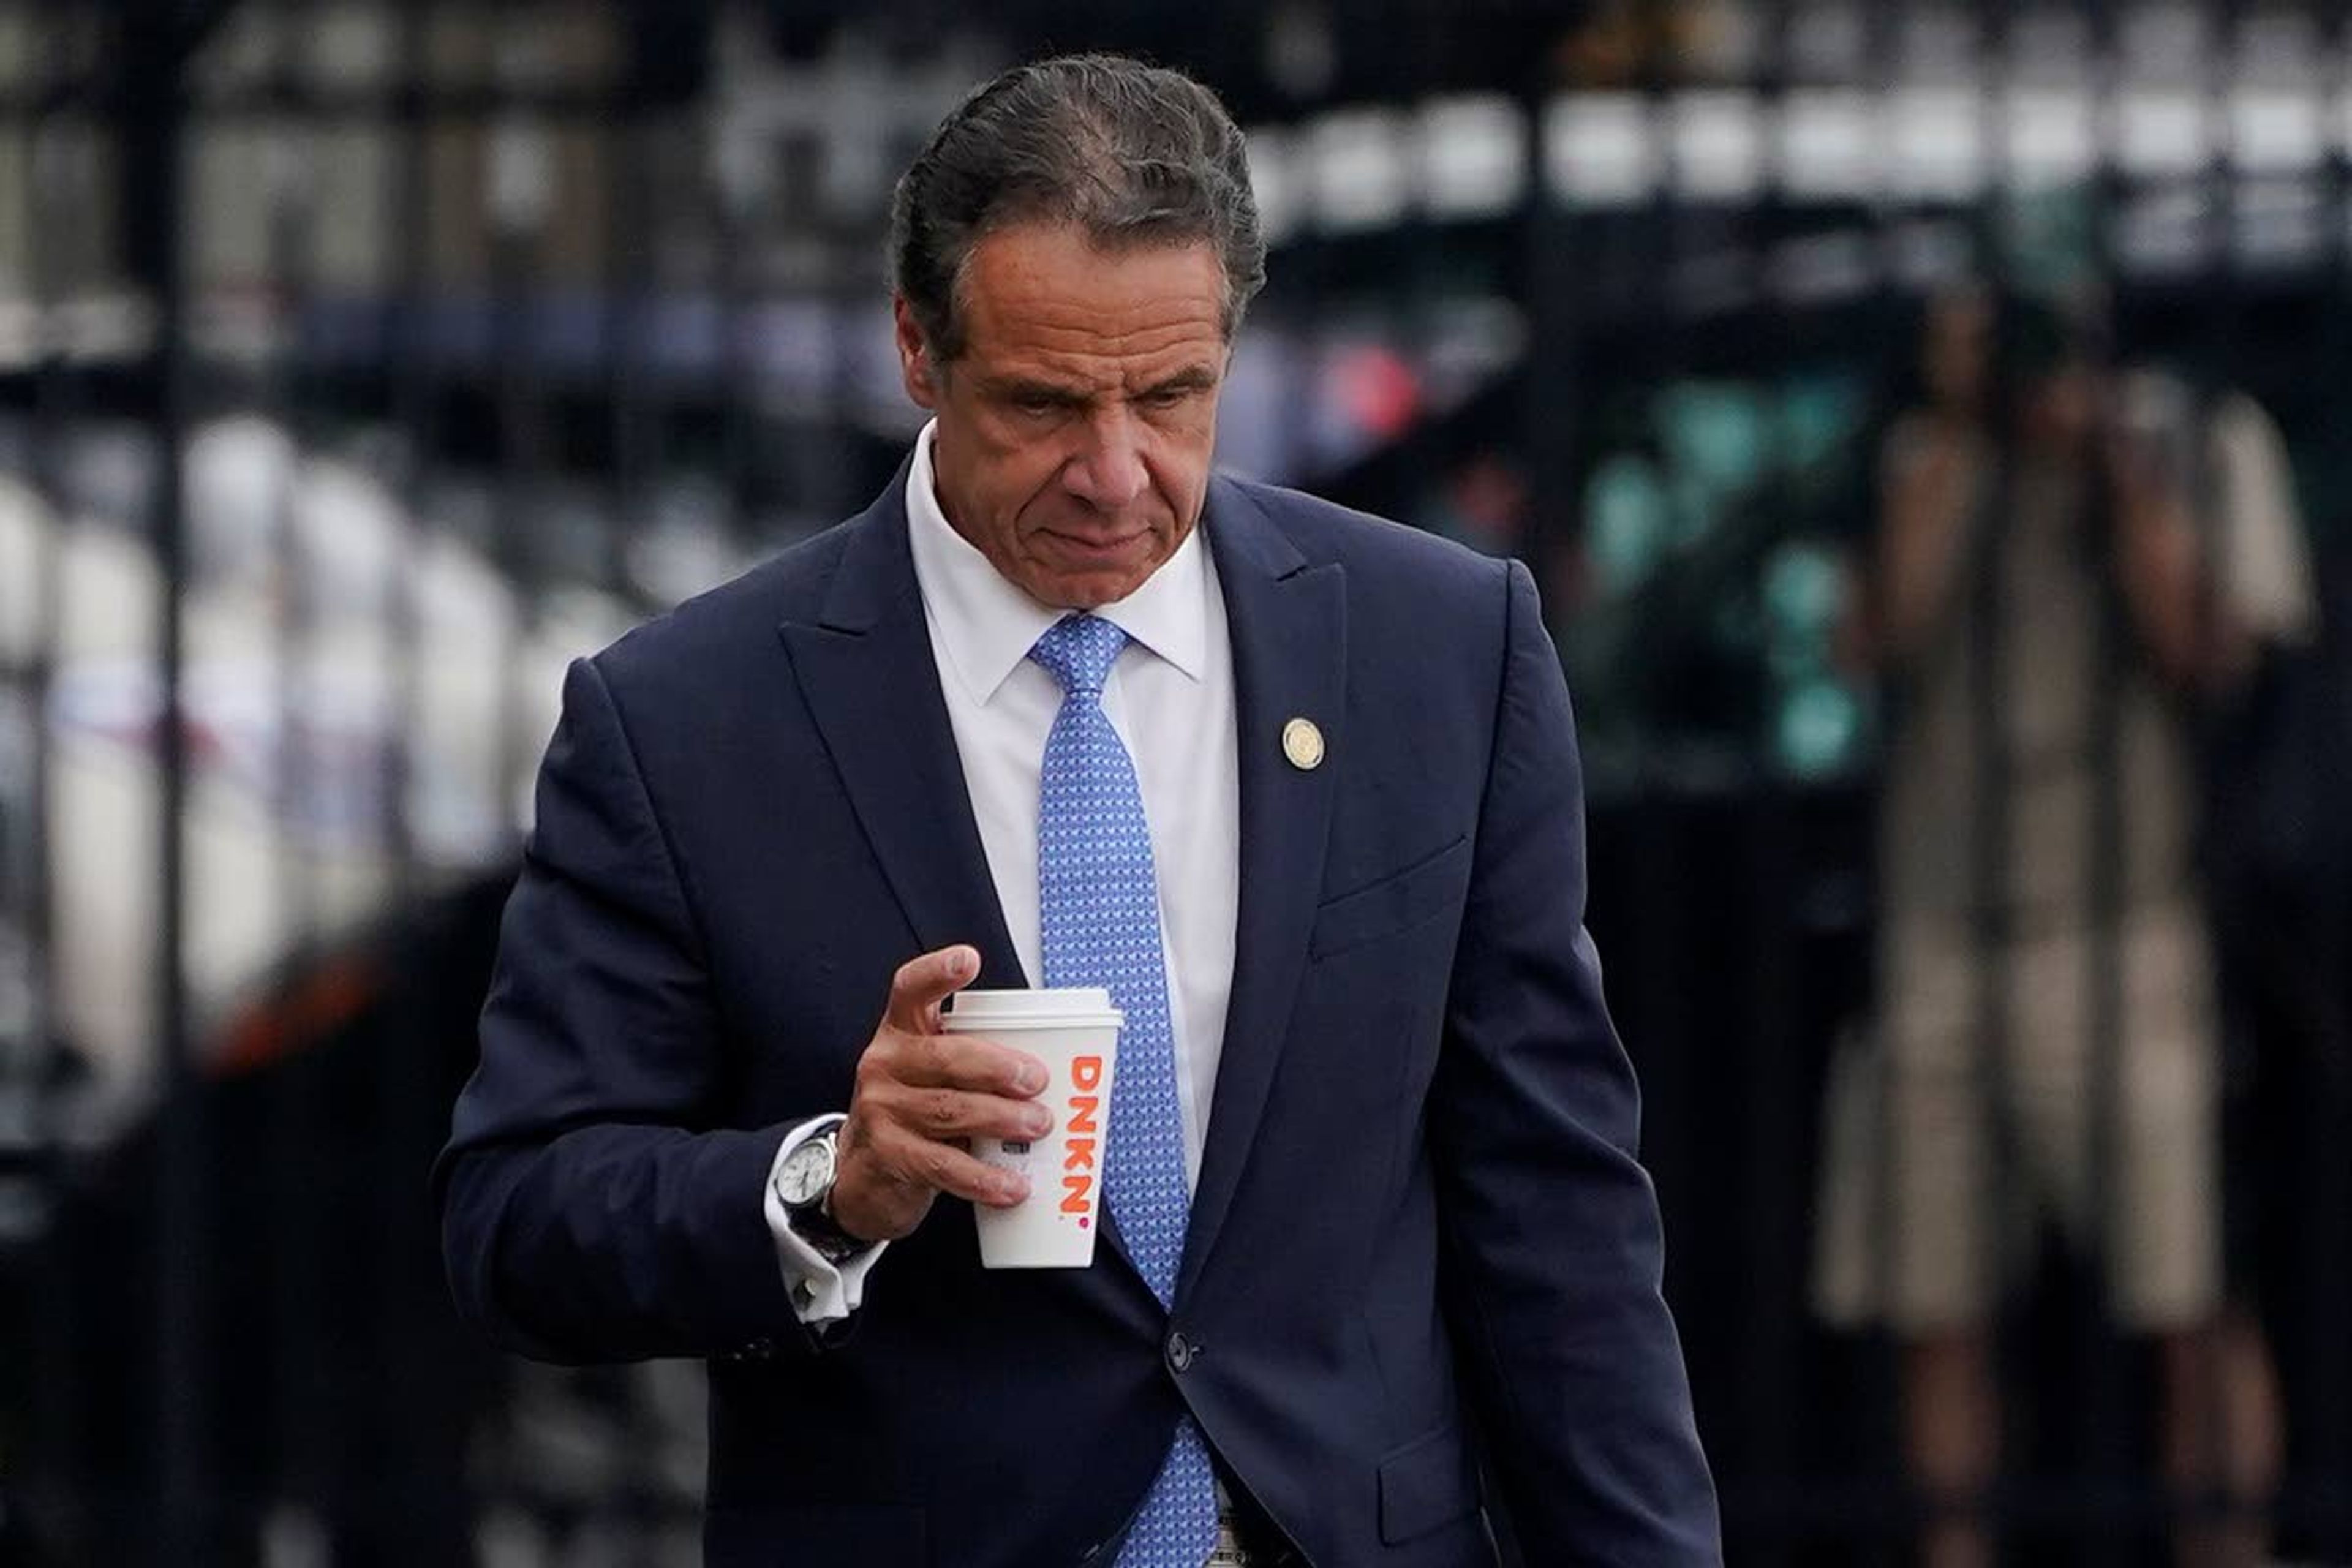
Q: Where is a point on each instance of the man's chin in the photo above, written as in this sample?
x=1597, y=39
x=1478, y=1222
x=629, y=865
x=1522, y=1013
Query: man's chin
x=1085, y=590
x=1075, y=587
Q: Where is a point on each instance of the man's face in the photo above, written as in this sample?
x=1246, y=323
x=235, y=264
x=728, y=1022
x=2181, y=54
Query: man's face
x=1076, y=428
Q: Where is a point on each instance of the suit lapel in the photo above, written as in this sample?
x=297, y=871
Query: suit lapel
x=866, y=671
x=1289, y=624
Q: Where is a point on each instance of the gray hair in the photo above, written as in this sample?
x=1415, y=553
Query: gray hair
x=1133, y=154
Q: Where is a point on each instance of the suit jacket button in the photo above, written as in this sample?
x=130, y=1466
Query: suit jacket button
x=1180, y=1352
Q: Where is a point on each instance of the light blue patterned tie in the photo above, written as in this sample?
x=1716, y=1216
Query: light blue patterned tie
x=1100, y=908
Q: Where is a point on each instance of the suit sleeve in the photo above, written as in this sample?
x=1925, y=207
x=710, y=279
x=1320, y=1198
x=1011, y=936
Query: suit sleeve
x=1553, y=1254
x=593, y=1207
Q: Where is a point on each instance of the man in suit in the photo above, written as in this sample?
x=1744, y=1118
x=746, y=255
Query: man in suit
x=1298, y=785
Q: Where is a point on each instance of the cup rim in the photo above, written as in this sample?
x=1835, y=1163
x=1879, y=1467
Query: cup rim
x=1067, y=1007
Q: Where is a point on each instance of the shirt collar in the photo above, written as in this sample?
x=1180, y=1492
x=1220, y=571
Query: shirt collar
x=986, y=625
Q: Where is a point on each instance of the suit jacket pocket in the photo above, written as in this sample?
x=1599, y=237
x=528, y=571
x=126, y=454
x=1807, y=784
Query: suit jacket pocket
x=1396, y=902
x=785, y=1535
x=1427, y=1483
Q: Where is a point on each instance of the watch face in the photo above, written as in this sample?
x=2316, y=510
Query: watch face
x=806, y=1170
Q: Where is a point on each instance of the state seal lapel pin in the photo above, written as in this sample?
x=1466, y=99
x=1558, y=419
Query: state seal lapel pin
x=1302, y=742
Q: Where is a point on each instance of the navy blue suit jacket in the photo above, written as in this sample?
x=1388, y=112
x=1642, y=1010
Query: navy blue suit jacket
x=1419, y=1213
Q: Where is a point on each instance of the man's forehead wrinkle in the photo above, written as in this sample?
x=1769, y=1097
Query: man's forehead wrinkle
x=1139, y=328
x=1079, y=354
x=1092, y=351
x=1093, y=375
x=1032, y=268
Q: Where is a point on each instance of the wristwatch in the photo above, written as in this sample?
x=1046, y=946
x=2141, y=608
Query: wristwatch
x=803, y=1184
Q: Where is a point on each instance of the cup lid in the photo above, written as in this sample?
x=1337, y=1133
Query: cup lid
x=1039, y=1009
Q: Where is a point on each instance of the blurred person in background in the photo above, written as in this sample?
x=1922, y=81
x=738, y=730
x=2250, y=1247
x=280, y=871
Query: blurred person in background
x=2050, y=610
x=1371, y=1162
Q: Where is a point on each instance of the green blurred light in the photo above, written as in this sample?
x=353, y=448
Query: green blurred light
x=1625, y=513
x=1819, y=729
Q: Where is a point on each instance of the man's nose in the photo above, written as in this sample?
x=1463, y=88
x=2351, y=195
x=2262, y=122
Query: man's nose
x=1109, y=472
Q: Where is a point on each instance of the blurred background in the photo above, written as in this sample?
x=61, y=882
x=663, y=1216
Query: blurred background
x=1925, y=420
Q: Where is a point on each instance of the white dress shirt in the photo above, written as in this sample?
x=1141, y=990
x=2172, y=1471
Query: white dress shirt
x=1170, y=698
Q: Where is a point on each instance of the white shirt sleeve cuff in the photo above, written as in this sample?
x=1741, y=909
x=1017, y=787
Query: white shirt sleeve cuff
x=821, y=1292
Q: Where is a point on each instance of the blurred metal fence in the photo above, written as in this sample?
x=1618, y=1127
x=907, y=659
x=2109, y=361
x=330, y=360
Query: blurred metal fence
x=360, y=362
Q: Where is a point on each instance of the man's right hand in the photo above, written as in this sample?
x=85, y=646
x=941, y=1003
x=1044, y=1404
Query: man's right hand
x=920, y=1095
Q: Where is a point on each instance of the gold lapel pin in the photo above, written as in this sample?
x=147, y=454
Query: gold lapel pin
x=1302, y=742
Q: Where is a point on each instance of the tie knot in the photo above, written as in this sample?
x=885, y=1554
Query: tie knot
x=1078, y=651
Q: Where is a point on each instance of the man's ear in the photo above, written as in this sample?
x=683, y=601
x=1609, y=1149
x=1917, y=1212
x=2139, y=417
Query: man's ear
x=915, y=364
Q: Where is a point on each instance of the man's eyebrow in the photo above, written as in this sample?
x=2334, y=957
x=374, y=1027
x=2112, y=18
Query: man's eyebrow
x=1192, y=378
x=1022, y=389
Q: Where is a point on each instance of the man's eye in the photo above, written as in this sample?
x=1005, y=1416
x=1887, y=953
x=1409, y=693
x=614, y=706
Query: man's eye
x=1036, y=407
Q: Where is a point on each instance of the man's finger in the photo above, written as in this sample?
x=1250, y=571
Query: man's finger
x=923, y=983
x=944, y=1113
x=959, y=1174
x=944, y=1168
x=969, y=1063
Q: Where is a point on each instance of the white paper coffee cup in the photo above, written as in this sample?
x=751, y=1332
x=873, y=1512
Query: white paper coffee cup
x=1075, y=1032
